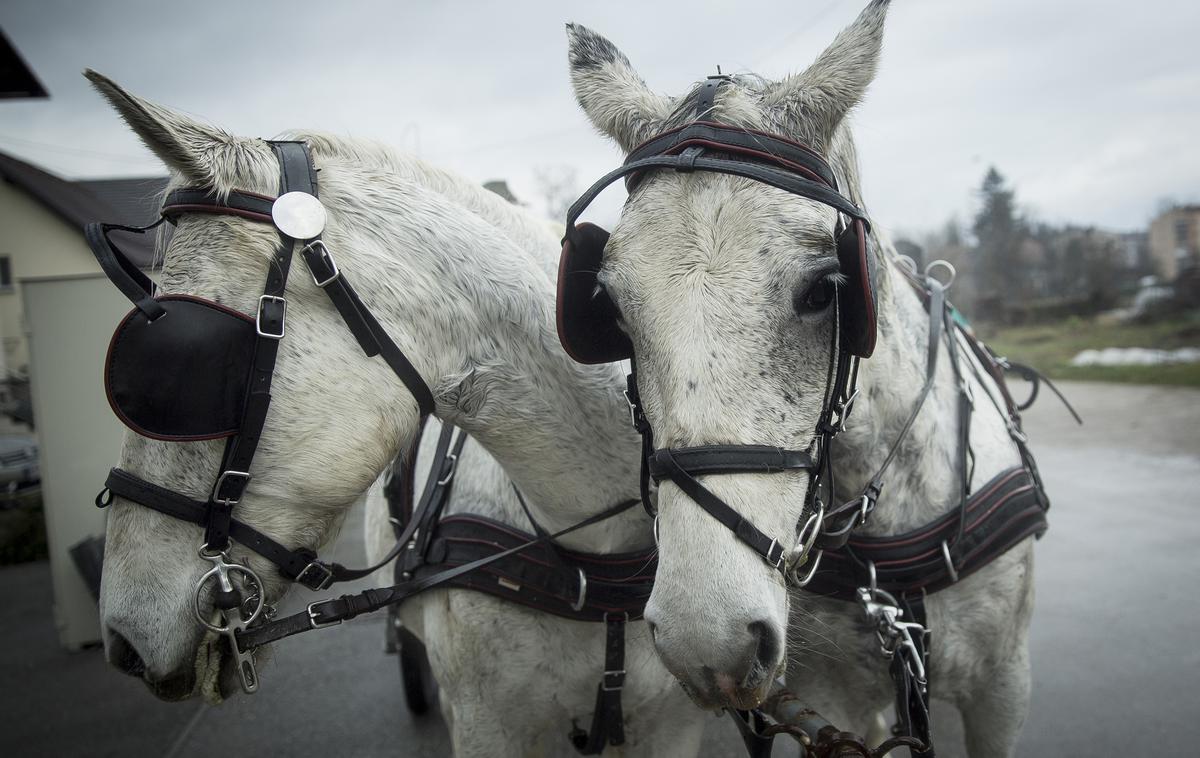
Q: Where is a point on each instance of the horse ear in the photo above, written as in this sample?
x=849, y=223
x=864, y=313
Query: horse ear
x=816, y=100
x=182, y=142
x=610, y=92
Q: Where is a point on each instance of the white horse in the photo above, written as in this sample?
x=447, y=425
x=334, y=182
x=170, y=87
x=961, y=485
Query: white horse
x=462, y=281
x=709, y=273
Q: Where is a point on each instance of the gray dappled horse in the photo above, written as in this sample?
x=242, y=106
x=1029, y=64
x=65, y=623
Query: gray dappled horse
x=725, y=288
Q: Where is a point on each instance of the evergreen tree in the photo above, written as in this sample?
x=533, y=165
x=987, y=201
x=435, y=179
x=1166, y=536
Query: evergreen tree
x=998, y=234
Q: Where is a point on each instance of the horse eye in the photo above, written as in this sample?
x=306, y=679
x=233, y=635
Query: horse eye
x=817, y=297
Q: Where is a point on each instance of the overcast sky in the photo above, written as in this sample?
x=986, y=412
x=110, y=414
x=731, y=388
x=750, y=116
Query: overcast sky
x=1090, y=108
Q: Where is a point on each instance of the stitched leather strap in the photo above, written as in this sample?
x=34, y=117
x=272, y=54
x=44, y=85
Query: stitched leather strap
x=744, y=142
x=779, y=178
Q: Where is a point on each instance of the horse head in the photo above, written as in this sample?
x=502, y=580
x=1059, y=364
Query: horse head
x=727, y=289
x=335, y=419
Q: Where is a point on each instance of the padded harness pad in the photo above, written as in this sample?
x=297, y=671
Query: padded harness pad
x=182, y=376
x=858, y=319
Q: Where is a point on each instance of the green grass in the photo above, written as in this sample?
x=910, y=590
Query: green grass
x=1050, y=348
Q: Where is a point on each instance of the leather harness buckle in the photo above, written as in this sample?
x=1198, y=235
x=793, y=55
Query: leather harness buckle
x=775, y=562
x=222, y=479
x=618, y=678
x=313, y=619
x=633, y=410
x=263, y=301
x=334, y=272
x=322, y=574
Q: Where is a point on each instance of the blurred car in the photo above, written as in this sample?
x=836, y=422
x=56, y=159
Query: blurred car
x=18, y=462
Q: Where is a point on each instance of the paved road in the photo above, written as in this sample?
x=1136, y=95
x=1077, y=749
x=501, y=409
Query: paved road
x=1116, y=665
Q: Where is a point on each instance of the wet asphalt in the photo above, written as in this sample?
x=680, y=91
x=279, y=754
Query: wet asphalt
x=1114, y=638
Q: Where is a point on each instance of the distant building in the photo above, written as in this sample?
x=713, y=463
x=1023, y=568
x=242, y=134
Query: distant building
x=42, y=216
x=500, y=187
x=1175, y=241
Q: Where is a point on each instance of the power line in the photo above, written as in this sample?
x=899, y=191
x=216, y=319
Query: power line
x=804, y=27
x=73, y=150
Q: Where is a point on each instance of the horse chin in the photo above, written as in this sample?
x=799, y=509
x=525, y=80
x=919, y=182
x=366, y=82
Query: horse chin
x=735, y=697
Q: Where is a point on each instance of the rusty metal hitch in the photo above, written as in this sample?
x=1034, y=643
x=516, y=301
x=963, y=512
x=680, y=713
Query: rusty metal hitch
x=783, y=713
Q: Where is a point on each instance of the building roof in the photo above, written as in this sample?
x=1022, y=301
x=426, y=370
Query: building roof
x=79, y=203
x=17, y=80
x=136, y=201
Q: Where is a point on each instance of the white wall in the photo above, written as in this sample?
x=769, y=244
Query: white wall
x=40, y=244
x=70, y=320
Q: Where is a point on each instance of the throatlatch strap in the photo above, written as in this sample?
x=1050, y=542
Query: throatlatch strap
x=608, y=721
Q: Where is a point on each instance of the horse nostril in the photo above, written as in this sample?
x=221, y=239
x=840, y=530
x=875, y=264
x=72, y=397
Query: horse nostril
x=123, y=656
x=767, y=650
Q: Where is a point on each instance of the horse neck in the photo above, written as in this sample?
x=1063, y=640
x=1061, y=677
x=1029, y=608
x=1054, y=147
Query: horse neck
x=475, y=301
x=923, y=480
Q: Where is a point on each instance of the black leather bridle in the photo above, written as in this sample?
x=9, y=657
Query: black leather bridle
x=215, y=514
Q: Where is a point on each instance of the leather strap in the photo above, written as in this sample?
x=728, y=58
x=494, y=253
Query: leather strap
x=727, y=459
x=300, y=565
x=234, y=473
x=121, y=271
x=371, y=335
x=248, y=205
x=744, y=142
x=335, y=611
x=786, y=180
x=608, y=721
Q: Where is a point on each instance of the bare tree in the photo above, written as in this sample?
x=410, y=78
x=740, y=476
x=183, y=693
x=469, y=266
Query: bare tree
x=558, y=187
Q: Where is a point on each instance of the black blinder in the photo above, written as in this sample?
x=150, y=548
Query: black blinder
x=181, y=377
x=587, y=316
x=858, y=321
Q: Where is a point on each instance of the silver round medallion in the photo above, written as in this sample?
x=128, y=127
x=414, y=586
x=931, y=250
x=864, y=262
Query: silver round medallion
x=299, y=215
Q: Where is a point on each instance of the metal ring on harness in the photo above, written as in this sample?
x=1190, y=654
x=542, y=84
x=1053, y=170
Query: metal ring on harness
x=449, y=474
x=807, y=538
x=221, y=571
x=578, y=604
x=935, y=265
x=949, y=562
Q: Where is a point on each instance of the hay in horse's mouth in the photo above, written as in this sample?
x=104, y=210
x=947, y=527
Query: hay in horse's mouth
x=214, y=676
